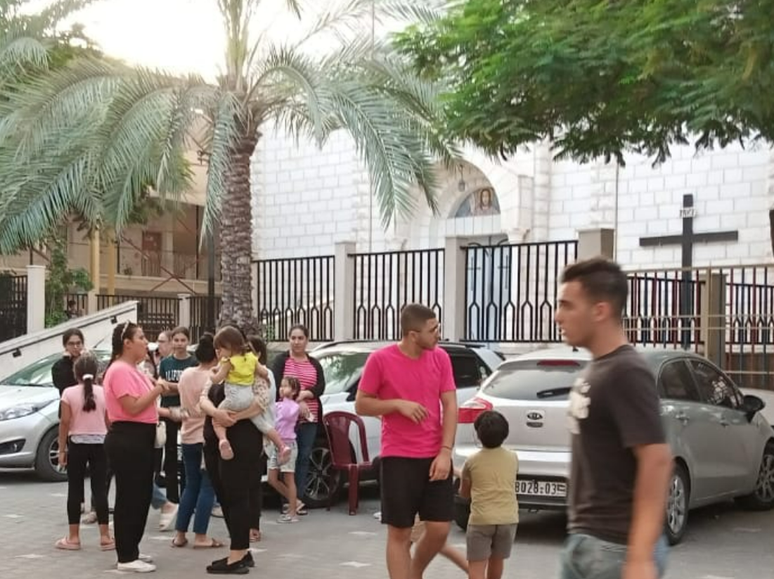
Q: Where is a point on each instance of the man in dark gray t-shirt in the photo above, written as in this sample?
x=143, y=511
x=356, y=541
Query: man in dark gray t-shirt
x=621, y=463
x=613, y=409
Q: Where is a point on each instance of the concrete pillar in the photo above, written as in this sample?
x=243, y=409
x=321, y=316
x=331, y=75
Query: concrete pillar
x=112, y=262
x=184, y=310
x=598, y=242
x=36, y=298
x=94, y=259
x=712, y=316
x=344, y=290
x=168, y=248
x=454, y=299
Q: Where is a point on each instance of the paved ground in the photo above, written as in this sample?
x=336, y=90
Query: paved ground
x=722, y=543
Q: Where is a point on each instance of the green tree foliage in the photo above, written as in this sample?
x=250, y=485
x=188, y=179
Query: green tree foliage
x=89, y=138
x=61, y=280
x=602, y=77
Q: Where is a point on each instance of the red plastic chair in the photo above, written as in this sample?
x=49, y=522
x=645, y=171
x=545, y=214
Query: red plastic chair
x=337, y=427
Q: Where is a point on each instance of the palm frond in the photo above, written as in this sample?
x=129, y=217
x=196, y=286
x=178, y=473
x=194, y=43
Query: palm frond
x=286, y=72
x=56, y=12
x=357, y=16
x=23, y=50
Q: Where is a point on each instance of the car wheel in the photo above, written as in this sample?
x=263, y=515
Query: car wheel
x=323, y=481
x=762, y=499
x=47, y=458
x=677, y=505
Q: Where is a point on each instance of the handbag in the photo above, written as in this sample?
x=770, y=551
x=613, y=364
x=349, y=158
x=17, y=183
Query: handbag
x=161, y=434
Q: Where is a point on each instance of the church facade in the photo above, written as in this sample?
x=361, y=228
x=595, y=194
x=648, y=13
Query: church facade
x=306, y=200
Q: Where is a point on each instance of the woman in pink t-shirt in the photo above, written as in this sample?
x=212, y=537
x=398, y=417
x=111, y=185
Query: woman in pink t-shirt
x=130, y=398
x=82, y=431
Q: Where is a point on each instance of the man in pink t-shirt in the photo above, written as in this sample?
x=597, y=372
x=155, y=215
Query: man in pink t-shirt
x=410, y=385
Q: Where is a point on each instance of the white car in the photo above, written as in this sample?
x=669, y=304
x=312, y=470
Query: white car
x=722, y=444
x=29, y=419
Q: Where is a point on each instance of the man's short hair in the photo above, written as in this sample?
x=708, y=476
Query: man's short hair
x=491, y=428
x=602, y=280
x=413, y=318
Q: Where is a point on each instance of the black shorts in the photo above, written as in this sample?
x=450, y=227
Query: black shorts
x=406, y=491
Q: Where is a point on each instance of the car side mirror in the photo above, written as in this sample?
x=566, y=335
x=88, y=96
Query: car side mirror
x=752, y=405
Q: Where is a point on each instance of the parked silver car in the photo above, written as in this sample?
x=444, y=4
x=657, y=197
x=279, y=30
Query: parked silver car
x=29, y=419
x=723, y=446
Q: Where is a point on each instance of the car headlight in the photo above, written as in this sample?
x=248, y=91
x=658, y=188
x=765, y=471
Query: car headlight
x=19, y=411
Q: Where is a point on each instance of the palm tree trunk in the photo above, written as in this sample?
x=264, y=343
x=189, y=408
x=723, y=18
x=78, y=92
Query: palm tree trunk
x=236, y=239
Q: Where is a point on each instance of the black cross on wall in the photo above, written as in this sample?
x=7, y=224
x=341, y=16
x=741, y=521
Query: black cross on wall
x=686, y=240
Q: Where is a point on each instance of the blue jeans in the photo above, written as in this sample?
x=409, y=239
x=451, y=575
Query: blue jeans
x=305, y=435
x=586, y=557
x=198, y=495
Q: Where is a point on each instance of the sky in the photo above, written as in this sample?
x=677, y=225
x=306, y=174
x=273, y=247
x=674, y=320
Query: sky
x=180, y=36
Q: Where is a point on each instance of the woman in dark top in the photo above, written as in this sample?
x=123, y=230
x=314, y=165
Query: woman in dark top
x=62, y=371
x=297, y=363
x=232, y=479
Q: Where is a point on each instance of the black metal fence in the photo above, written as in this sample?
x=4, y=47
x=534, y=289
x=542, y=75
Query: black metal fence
x=13, y=306
x=296, y=291
x=154, y=314
x=81, y=302
x=511, y=291
x=386, y=282
x=201, y=321
x=663, y=308
x=723, y=312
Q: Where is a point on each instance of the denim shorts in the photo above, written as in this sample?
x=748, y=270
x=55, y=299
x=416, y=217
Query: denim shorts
x=586, y=557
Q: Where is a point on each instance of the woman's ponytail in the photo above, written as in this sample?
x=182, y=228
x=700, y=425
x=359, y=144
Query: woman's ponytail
x=86, y=367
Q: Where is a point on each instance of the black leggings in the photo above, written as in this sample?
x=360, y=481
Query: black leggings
x=233, y=479
x=81, y=457
x=129, y=447
x=171, y=472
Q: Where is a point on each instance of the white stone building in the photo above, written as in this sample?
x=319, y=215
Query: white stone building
x=308, y=199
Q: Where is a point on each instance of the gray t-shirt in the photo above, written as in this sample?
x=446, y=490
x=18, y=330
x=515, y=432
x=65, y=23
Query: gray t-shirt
x=613, y=408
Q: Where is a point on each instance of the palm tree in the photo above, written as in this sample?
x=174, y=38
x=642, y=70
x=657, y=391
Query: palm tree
x=97, y=134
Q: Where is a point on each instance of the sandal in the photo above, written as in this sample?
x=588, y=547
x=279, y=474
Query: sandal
x=226, y=452
x=111, y=546
x=213, y=544
x=65, y=544
x=301, y=509
x=177, y=545
x=255, y=536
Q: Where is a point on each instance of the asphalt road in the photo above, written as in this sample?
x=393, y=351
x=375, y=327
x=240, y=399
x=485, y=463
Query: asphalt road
x=722, y=543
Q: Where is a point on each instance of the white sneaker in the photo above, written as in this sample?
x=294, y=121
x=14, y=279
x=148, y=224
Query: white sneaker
x=136, y=566
x=145, y=558
x=217, y=512
x=378, y=516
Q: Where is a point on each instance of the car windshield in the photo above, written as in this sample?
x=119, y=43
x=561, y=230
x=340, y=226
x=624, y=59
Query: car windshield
x=39, y=373
x=340, y=369
x=534, y=380
x=36, y=374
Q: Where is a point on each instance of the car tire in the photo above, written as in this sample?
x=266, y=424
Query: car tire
x=763, y=497
x=47, y=458
x=324, y=482
x=678, y=503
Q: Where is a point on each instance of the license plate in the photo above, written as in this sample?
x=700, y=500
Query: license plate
x=541, y=488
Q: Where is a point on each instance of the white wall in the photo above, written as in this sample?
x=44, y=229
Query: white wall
x=306, y=200
x=97, y=329
x=730, y=193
